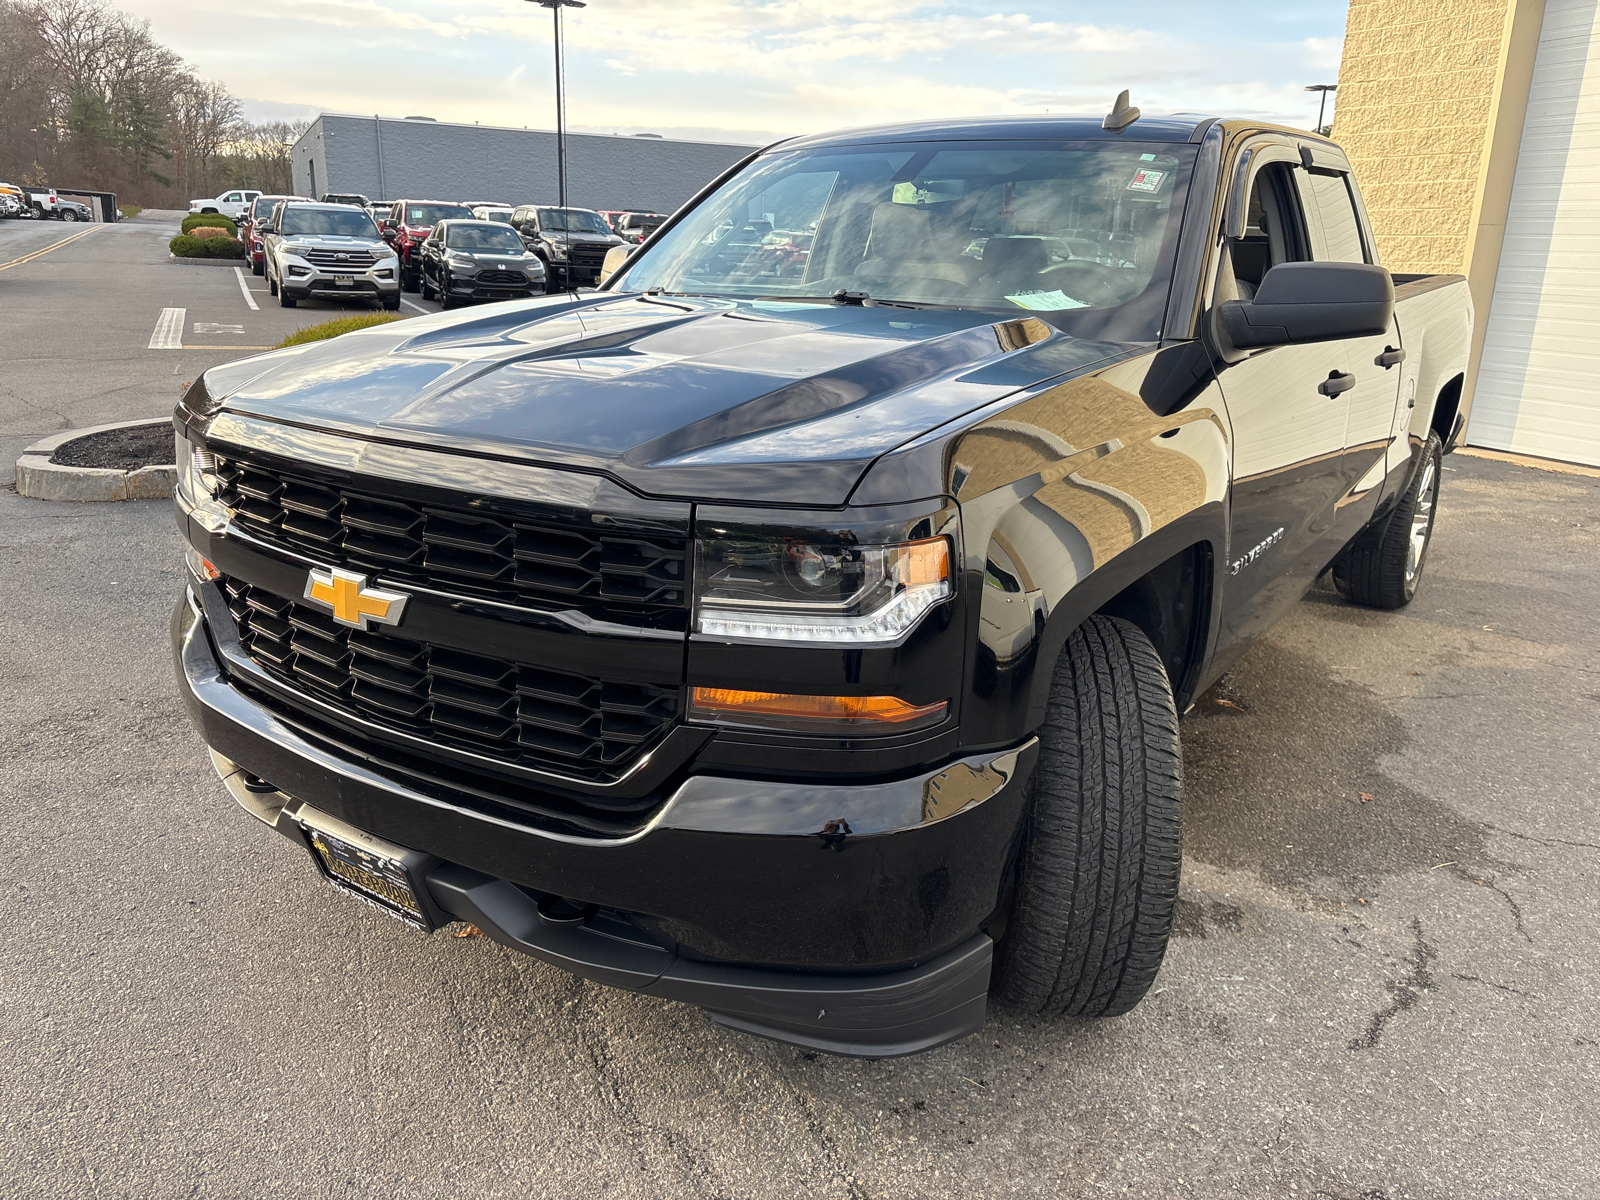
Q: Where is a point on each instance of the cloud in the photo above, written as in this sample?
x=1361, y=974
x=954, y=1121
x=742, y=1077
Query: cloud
x=755, y=70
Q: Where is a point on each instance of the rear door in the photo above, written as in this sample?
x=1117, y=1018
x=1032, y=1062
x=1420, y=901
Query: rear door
x=1288, y=413
x=1336, y=236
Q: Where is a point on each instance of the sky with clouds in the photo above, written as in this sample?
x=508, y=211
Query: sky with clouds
x=756, y=70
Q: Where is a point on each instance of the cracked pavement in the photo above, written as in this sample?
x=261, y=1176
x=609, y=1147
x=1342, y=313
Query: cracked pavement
x=1380, y=1000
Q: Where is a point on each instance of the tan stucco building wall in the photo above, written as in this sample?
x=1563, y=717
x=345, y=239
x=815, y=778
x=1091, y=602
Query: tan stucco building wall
x=1432, y=95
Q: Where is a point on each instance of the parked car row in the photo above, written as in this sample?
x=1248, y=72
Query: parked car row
x=25, y=202
x=452, y=251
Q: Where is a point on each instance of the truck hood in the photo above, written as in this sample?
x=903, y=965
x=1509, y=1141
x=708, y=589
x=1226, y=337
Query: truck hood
x=713, y=399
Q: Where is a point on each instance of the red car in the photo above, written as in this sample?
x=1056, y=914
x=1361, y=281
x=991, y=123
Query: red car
x=408, y=223
x=249, y=229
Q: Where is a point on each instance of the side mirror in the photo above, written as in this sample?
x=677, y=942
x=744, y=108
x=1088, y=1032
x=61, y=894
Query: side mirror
x=1302, y=302
x=388, y=233
x=616, y=258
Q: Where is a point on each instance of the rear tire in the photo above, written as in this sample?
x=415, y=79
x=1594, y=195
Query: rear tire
x=1383, y=566
x=1097, y=878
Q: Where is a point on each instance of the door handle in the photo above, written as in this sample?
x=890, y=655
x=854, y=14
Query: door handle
x=1389, y=357
x=1336, y=382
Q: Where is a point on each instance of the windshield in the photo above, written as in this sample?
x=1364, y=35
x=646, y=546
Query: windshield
x=432, y=214
x=1080, y=233
x=503, y=215
x=572, y=220
x=483, y=237
x=335, y=222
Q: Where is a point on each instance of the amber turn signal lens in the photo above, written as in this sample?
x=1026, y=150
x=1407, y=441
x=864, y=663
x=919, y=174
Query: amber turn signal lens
x=925, y=562
x=784, y=706
x=202, y=568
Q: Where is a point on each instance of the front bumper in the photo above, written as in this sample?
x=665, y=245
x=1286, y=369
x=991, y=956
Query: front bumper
x=320, y=281
x=869, y=899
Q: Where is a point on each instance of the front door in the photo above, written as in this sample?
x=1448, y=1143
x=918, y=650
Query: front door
x=1289, y=407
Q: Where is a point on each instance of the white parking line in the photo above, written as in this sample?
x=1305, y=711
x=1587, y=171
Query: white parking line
x=407, y=303
x=245, y=288
x=168, y=333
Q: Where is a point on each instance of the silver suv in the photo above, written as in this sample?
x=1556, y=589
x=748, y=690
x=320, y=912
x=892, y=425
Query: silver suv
x=331, y=251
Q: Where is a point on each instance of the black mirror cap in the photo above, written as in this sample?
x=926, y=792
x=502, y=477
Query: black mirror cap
x=1300, y=303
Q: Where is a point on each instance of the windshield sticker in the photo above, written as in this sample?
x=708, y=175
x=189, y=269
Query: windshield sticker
x=1146, y=180
x=1046, y=301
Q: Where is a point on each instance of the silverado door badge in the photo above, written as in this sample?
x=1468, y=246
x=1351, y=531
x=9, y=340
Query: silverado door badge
x=346, y=595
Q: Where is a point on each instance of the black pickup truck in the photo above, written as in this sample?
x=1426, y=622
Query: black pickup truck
x=804, y=636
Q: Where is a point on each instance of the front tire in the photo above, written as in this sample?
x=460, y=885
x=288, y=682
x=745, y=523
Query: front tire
x=286, y=300
x=68, y=215
x=1383, y=566
x=272, y=285
x=1097, y=878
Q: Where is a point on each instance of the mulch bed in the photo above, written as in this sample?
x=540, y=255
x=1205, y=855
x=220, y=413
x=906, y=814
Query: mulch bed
x=119, y=449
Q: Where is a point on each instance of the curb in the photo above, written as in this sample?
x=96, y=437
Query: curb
x=42, y=479
x=208, y=262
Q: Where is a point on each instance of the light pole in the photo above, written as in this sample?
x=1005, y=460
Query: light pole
x=555, y=7
x=1322, y=102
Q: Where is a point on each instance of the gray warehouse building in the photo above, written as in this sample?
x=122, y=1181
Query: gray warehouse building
x=387, y=158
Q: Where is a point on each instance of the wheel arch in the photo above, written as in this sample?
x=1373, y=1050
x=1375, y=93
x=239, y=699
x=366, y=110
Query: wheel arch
x=1168, y=584
x=1447, y=411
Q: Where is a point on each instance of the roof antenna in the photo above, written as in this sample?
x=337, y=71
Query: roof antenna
x=1122, y=114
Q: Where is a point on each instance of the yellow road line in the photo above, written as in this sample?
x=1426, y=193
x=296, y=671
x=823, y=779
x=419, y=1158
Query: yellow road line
x=67, y=241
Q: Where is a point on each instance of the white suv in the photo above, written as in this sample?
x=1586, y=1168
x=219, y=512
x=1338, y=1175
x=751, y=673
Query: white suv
x=332, y=251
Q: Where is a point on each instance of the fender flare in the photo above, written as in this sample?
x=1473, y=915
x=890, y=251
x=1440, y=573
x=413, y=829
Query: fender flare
x=1204, y=526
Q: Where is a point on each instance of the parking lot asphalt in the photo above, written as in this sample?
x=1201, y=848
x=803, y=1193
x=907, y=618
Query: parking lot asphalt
x=1385, y=984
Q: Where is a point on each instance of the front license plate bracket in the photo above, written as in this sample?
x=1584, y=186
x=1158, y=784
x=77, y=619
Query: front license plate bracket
x=387, y=876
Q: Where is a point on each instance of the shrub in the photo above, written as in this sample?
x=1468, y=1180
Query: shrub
x=129, y=210
x=190, y=246
x=214, y=219
x=328, y=329
x=210, y=231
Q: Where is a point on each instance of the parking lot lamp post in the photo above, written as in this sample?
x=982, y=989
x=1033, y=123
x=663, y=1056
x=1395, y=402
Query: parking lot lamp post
x=555, y=7
x=1322, y=100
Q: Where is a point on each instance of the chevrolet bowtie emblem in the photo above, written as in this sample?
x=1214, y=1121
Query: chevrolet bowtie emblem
x=346, y=595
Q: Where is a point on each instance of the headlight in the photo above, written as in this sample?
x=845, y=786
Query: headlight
x=197, y=471
x=461, y=262
x=534, y=268
x=762, y=584
x=558, y=252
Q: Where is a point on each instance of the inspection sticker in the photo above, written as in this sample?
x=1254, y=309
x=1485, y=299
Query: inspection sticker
x=1146, y=180
x=1046, y=301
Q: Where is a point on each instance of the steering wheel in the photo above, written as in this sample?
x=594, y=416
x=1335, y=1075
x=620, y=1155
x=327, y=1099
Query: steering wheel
x=1084, y=279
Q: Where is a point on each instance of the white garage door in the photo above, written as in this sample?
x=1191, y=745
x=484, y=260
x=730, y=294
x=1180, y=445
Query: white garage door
x=1539, y=383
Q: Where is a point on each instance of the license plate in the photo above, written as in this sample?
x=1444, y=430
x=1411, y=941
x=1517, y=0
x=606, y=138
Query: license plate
x=381, y=873
x=343, y=281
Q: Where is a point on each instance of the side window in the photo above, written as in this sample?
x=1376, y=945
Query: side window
x=232, y=198
x=1335, y=235
x=1274, y=229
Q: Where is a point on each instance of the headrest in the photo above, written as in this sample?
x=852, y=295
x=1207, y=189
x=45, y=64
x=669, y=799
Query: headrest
x=898, y=232
x=1015, y=254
